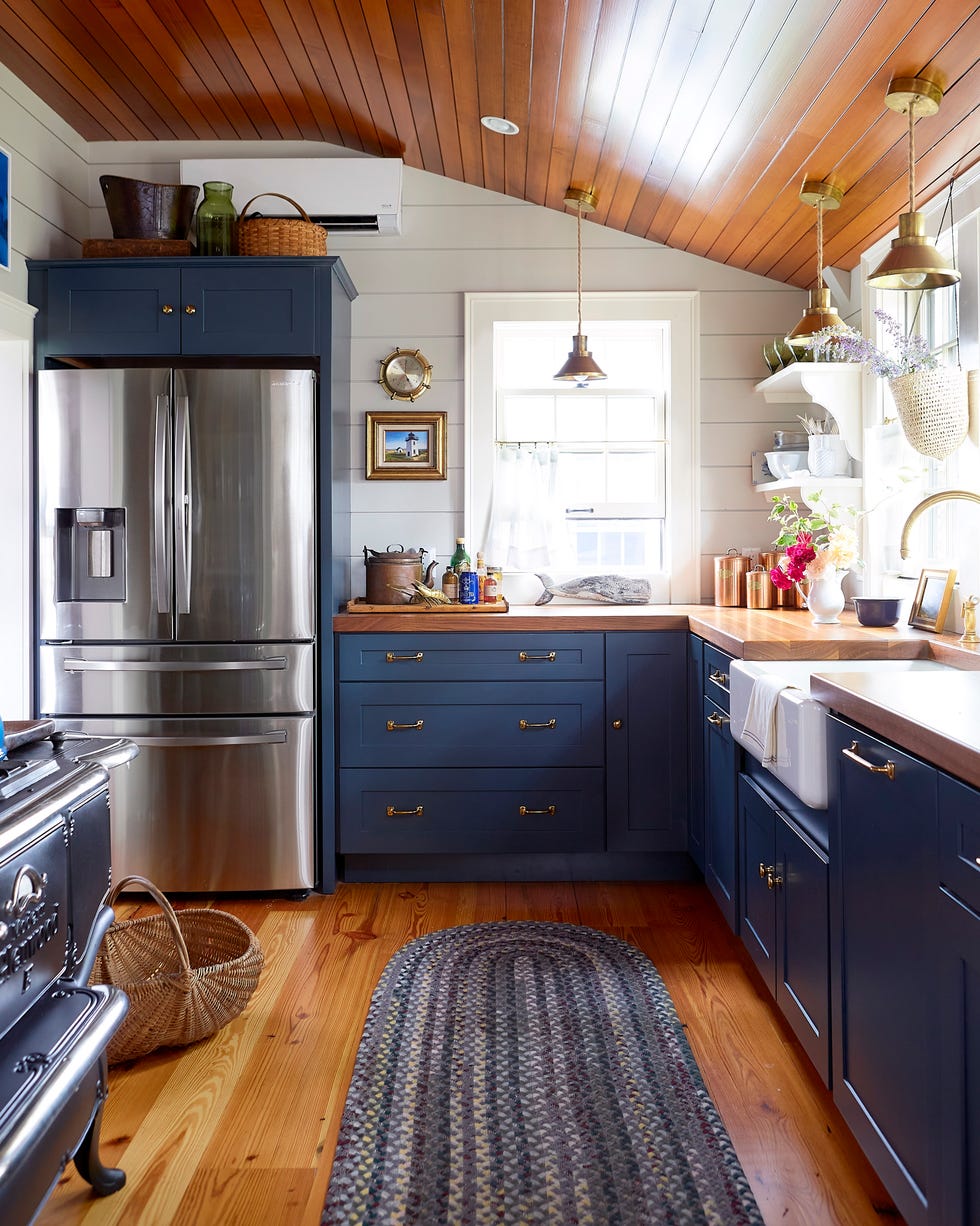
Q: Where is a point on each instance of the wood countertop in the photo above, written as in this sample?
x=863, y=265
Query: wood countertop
x=935, y=715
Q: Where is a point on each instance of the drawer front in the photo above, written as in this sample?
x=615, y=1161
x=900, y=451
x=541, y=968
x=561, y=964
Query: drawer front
x=959, y=840
x=459, y=811
x=717, y=676
x=490, y=656
x=475, y=724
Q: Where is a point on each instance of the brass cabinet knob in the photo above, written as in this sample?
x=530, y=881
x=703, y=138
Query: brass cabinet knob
x=772, y=880
x=167, y=308
x=190, y=309
x=617, y=724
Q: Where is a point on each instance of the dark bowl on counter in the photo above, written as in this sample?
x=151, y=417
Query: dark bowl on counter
x=878, y=610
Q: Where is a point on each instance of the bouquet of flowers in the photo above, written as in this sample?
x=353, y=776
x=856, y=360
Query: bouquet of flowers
x=826, y=539
x=910, y=353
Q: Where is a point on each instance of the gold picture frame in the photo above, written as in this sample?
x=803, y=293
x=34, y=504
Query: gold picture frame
x=931, y=602
x=406, y=446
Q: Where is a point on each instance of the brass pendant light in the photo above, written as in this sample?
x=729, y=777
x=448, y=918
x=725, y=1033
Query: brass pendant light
x=820, y=312
x=913, y=261
x=581, y=368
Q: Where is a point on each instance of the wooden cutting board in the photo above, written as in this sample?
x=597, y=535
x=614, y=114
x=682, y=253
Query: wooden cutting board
x=23, y=732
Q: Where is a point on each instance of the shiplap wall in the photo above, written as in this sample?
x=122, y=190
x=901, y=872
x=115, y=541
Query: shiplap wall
x=457, y=238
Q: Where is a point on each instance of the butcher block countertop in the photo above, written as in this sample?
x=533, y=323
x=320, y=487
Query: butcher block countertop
x=935, y=715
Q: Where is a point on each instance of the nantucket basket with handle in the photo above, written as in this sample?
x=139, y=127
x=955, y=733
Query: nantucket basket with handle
x=280, y=235
x=186, y=973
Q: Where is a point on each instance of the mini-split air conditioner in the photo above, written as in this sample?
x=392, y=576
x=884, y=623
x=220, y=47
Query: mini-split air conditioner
x=345, y=195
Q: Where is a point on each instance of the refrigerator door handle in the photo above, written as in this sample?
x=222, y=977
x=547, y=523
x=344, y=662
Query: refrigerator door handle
x=73, y=665
x=276, y=737
x=183, y=517
x=161, y=554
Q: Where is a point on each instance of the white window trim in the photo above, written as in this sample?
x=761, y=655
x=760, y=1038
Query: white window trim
x=681, y=309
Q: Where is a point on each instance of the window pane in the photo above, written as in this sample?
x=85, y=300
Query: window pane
x=581, y=418
x=581, y=478
x=525, y=418
x=635, y=418
x=629, y=361
x=637, y=476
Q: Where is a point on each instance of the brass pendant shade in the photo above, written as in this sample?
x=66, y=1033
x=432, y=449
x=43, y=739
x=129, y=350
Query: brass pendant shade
x=580, y=368
x=913, y=261
x=820, y=312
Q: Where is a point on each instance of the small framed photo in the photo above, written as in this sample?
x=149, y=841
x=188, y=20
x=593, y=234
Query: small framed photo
x=4, y=209
x=406, y=446
x=931, y=600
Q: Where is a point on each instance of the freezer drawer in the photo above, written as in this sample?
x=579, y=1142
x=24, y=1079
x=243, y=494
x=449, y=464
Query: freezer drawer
x=232, y=679
x=213, y=805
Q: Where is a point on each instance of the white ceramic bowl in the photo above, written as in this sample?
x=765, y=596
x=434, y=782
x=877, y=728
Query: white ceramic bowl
x=785, y=464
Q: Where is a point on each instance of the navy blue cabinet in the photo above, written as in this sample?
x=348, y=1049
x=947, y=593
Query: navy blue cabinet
x=189, y=307
x=720, y=757
x=695, y=751
x=454, y=743
x=884, y=973
x=646, y=741
x=959, y=1000
x=784, y=910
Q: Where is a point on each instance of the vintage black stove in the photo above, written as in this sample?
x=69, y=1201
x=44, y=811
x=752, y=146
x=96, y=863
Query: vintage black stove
x=54, y=872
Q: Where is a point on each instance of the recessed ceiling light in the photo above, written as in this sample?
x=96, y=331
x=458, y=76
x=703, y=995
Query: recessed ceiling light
x=496, y=124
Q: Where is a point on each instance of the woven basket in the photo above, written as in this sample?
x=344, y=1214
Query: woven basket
x=933, y=409
x=280, y=235
x=186, y=975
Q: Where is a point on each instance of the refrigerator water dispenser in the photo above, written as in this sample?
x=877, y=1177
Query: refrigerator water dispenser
x=90, y=553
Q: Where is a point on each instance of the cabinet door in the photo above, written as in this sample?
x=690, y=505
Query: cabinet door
x=959, y=1045
x=646, y=741
x=802, y=971
x=884, y=838
x=757, y=871
x=720, y=866
x=695, y=752
x=248, y=308
x=121, y=310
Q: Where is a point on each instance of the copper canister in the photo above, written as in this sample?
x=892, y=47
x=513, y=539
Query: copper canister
x=759, y=588
x=730, y=579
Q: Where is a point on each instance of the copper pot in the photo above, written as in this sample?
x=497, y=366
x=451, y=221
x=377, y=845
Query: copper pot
x=390, y=574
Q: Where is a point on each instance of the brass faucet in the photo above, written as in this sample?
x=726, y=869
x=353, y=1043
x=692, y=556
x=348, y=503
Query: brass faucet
x=926, y=503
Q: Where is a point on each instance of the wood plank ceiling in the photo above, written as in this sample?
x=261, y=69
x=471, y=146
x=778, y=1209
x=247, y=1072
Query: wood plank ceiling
x=694, y=120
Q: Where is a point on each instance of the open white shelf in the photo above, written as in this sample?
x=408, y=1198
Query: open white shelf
x=834, y=386
x=832, y=489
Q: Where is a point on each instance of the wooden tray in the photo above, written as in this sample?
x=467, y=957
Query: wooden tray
x=124, y=248
x=360, y=605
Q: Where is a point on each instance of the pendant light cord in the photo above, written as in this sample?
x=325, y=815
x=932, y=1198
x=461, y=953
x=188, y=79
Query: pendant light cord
x=820, y=244
x=912, y=155
x=578, y=232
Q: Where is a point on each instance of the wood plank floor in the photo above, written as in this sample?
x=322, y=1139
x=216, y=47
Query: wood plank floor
x=240, y=1129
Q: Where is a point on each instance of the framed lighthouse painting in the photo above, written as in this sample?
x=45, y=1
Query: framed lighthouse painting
x=406, y=446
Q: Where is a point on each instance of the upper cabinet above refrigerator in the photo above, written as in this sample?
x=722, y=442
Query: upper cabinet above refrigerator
x=200, y=307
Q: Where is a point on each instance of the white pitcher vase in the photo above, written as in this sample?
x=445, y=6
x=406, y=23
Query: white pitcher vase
x=825, y=597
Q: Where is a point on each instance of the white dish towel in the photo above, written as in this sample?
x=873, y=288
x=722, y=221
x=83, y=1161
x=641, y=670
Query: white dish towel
x=760, y=715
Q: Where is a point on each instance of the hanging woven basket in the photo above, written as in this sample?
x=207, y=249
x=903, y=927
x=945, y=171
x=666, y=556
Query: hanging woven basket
x=933, y=409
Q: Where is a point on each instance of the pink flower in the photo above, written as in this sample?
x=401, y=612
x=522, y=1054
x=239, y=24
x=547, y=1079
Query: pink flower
x=780, y=579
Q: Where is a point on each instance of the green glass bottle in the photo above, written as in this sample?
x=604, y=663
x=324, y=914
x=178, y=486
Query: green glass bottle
x=215, y=221
x=461, y=559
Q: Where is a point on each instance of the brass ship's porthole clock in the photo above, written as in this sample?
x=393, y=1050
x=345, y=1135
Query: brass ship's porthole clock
x=405, y=374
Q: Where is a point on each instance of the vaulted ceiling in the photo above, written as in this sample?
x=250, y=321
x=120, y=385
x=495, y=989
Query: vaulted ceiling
x=695, y=121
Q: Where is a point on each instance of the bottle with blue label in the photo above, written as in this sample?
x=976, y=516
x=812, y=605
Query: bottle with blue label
x=469, y=587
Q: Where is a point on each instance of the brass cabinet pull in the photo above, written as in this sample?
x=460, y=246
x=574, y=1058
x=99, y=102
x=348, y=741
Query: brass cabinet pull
x=888, y=769
x=190, y=309
x=526, y=658
x=762, y=871
x=718, y=677
x=167, y=309
x=772, y=881
x=718, y=720
x=391, y=811
x=391, y=658
x=617, y=724
x=524, y=725
x=524, y=811
x=393, y=727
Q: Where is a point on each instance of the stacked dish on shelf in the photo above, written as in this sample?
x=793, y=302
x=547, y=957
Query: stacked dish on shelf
x=788, y=457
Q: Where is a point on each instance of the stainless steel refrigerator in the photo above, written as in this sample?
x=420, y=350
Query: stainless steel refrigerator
x=176, y=606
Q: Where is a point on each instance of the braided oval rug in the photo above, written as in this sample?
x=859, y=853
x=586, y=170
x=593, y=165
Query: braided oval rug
x=523, y=1072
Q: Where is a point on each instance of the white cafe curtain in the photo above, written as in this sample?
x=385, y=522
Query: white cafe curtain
x=528, y=531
